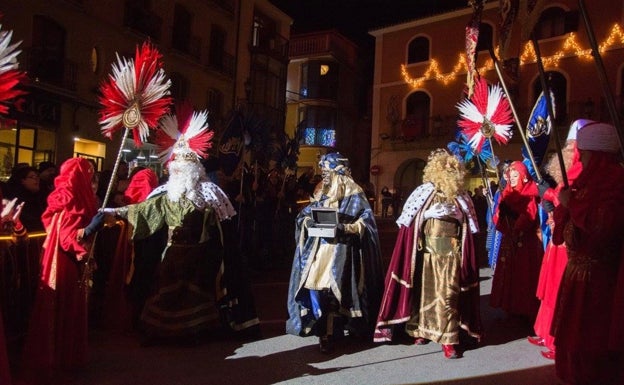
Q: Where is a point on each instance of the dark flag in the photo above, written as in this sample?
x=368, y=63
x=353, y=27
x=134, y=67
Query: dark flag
x=231, y=144
x=538, y=132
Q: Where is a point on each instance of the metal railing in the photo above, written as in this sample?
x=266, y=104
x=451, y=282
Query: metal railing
x=19, y=278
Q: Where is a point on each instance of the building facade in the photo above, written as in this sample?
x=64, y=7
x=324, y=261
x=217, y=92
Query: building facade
x=420, y=76
x=323, y=97
x=217, y=53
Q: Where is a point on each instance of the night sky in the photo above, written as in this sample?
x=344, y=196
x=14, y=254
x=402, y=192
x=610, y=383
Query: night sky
x=354, y=18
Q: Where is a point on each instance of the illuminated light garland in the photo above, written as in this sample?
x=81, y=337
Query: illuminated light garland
x=570, y=48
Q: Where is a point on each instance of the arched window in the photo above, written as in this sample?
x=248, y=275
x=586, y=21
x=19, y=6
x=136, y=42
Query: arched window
x=418, y=50
x=559, y=87
x=48, y=52
x=555, y=21
x=416, y=123
x=486, y=36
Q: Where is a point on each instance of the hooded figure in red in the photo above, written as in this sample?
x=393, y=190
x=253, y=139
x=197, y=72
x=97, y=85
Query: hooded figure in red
x=521, y=250
x=589, y=220
x=57, y=334
x=555, y=256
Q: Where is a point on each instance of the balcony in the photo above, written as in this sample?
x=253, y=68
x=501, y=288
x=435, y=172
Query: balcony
x=329, y=42
x=271, y=44
x=53, y=70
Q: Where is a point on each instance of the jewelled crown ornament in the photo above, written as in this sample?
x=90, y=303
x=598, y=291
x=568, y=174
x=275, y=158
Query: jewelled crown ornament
x=486, y=114
x=184, y=136
x=135, y=95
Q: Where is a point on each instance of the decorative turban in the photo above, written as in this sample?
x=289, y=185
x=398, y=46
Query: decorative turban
x=598, y=136
x=335, y=162
x=577, y=125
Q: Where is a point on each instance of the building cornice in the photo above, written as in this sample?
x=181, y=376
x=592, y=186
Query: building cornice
x=428, y=20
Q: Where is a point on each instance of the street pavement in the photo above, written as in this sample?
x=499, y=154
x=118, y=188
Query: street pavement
x=502, y=357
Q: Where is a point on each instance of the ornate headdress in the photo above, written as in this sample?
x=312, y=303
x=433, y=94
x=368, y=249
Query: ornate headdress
x=184, y=135
x=335, y=162
x=10, y=76
x=135, y=95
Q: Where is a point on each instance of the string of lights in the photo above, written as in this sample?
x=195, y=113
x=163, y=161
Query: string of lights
x=570, y=48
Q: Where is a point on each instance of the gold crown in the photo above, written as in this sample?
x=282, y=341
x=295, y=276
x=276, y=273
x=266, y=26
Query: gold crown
x=181, y=150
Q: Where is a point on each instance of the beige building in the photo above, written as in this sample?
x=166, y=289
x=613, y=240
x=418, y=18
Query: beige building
x=323, y=95
x=218, y=54
x=420, y=75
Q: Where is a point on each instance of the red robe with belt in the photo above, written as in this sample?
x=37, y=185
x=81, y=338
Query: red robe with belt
x=57, y=333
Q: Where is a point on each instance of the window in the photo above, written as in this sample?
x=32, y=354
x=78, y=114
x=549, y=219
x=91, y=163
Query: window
x=319, y=80
x=319, y=123
x=137, y=16
x=181, y=35
x=48, y=51
x=179, y=86
x=555, y=21
x=215, y=104
x=416, y=116
x=485, y=41
x=418, y=50
x=264, y=31
x=217, y=47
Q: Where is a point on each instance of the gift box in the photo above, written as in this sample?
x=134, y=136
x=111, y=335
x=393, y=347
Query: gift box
x=325, y=221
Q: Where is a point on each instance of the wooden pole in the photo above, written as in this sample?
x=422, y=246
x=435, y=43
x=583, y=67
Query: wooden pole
x=602, y=75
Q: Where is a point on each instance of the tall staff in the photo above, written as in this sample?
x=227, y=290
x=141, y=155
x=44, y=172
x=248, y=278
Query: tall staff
x=515, y=114
x=602, y=75
x=135, y=97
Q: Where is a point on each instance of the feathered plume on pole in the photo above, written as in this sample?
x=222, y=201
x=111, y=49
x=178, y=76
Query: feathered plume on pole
x=485, y=115
x=185, y=133
x=10, y=76
x=135, y=95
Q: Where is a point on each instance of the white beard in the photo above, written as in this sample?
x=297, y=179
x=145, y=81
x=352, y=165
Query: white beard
x=184, y=180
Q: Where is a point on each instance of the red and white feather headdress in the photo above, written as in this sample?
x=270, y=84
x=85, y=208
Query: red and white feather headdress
x=486, y=114
x=10, y=76
x=184, y=135
x=135, y=94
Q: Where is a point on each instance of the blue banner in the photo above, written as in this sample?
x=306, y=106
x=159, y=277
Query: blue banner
x=538, y=132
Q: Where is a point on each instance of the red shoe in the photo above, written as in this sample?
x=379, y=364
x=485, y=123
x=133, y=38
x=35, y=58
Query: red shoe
x=537, y=341
x=421, y=341
x=550, y=354
x=449, y=351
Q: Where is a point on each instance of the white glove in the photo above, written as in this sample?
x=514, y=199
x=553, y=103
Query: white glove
x=435, y=211
x=439, y=211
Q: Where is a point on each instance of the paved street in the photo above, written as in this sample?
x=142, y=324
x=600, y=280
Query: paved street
x=503, y=357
